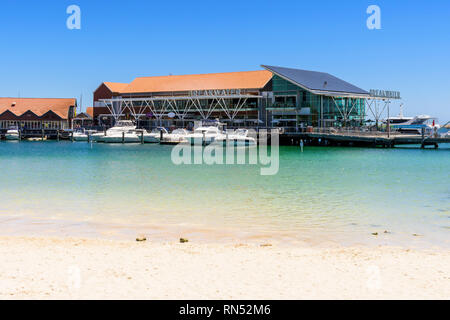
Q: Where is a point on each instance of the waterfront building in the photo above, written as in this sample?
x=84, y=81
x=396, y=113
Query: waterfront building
x=272, y=97
x=37, y=113
x=84, y=119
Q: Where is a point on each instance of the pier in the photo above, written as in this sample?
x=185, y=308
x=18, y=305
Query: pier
x=335, y=137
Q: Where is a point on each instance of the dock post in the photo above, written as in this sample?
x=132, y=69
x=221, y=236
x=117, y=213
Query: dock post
x=423, y=139
x=161, y=136
x=123, y=136
x=89, y=137
x=142, y=137
x=42, y=134
x=57, y=135
x=71, y=136
x=203, y=139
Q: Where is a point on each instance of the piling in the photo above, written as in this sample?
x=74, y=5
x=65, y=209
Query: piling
x=123, y=137
x=142, y=137
x=423, y=139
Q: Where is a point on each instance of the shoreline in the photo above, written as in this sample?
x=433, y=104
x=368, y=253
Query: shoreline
x=25, y=225
x=86, y=268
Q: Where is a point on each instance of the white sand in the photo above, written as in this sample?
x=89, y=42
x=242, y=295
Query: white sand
x=96, y=269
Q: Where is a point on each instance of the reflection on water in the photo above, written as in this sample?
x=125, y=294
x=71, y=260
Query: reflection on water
x=323, y=194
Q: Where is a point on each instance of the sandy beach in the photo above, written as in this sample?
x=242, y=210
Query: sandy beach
x=59, y=268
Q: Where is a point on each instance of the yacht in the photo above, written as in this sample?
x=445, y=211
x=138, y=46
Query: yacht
x=204, y=135
x=175, y=137
x=237, y=138
x=131, y=136
x=155, y=135
x=119, y=127
x=12, y=134
x=412, y=125
x=415, y=125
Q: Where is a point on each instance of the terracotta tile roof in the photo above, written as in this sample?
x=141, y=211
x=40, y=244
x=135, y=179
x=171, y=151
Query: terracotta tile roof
x=90, y=111
x=116, y=86
x=229, y=80
x=39, y=106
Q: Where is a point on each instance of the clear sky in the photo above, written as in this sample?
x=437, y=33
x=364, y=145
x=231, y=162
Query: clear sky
x=120, y=40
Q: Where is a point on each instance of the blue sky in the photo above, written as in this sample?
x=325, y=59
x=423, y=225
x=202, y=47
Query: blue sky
x=120, y=40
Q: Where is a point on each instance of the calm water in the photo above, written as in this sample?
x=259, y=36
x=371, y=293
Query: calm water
x=322, y=195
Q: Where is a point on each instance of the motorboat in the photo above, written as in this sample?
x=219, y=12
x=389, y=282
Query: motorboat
x=12, y=134
x=237, y=138
x=131, y=136
x=155, y=135
x=204, y=135
x=175, y=137
x=412, y=125
x=83, y=135
x=119, y=127
x=415, y=125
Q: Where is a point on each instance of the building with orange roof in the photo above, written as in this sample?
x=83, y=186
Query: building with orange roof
x=274, y=96
x=37, y=113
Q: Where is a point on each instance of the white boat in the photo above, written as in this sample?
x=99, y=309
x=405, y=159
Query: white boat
x=119, y=127
x=204, y=135
x=81, y=135
x=175, y=137
x=12, y=134
x=414, y=125
x=131, y=136
x=237, y=138
x=155, y=135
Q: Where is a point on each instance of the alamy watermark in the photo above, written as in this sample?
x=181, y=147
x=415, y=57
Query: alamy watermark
x=374, y=20
x=227, y=151
x=73, y=22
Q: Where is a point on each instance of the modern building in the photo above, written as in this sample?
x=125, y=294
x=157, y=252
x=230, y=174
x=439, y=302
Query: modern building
x=272, y=97
x=37, y=113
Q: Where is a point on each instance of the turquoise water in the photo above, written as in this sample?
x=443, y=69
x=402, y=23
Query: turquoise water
x=321, y=196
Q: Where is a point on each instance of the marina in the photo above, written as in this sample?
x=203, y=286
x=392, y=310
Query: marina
x=210, y=153
x=301, y=106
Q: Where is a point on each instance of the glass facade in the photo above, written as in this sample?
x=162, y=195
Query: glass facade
x=307, y=109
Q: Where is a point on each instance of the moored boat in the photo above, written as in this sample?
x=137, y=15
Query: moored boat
x=12, y=134
x=119, y=127
x=237, y=138
x=175, y=137
x=155, y=135
x=204, y=135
